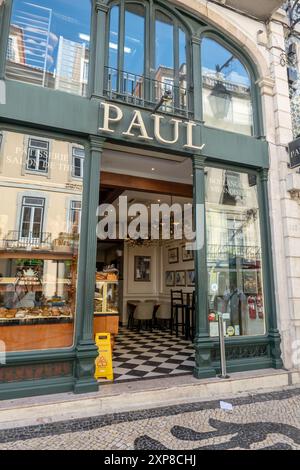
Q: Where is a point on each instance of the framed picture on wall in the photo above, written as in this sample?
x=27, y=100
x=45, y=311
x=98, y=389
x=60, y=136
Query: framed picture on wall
x=186, y=254
x=250, y=281
x=142, y=268
x=170, y=278
x=173, y=256
x=180, y=278
x=190, y=278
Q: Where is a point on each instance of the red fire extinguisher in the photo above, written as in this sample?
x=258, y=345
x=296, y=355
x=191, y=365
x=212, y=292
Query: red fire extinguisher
x=252, y=307
x=260, y=307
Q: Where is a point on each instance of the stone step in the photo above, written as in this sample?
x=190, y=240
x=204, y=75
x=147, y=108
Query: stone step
x=141, y=395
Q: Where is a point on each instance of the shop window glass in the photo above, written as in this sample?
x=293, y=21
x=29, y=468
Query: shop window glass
x=136, y=75
x=234, y=256
x=226, y=89
x=182, y=69
x=113, y=48
x=49, y=44
x=39, y=240
x=134, y=49
x=164, y=56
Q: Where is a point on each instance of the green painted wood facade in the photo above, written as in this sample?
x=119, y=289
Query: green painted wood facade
x=60, y=115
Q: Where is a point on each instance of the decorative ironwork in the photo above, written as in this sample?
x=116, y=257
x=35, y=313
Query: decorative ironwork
x=15, y=240
x=146, y=92
x=235, y=352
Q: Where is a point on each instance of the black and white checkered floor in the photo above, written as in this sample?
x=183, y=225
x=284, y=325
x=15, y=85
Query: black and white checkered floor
x=146, y=355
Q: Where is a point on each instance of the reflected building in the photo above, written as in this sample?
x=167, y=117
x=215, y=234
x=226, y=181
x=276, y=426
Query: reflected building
x=72, y=67
x=39, y=229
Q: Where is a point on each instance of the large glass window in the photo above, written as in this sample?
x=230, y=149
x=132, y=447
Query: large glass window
x=137, y=75
x=134, y=47
x=226, y=89
x=39, y=240
x=49, y=44
x=234, y=254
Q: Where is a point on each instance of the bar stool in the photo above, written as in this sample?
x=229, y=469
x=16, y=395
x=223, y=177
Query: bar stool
x=190, y=313
x=177, y=304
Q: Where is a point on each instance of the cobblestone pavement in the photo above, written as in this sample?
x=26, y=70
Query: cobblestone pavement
x=265, y=421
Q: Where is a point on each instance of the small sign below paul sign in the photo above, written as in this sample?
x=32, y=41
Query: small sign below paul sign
x=294, y=152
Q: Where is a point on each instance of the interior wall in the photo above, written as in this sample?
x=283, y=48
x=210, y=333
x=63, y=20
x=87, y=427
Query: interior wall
x=156, y=289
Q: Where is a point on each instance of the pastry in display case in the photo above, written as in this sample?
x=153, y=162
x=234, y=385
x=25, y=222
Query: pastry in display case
x=107, y=292
x=29, y=294
x=106, y=318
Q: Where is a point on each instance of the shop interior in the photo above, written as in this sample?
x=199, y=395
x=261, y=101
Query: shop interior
x=144, y=287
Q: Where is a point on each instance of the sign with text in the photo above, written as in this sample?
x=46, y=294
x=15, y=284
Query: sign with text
x=294, y=152
x=149, y=127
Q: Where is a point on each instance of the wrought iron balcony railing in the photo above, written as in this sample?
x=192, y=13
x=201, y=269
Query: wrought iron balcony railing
x=146, y=92
x=219, y=253
x=17, y=240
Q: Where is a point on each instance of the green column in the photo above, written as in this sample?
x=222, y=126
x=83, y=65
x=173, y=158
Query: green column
x=202, y=342
x=98, y=49
x=268, y=275
x=86, y=350
x=5, y=14
x=197, y=77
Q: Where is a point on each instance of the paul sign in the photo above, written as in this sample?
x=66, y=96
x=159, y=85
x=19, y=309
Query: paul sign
x=138, y=127
x=294, y=151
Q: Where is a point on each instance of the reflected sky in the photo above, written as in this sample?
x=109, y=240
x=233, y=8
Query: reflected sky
x=43, y=22
x=214, y=54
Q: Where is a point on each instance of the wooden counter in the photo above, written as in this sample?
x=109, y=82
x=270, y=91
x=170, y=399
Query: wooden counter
x=22, y=337
x=107, y=323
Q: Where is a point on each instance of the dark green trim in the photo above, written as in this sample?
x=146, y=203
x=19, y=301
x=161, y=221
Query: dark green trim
x=32, y=388
x=203, y=366
x=5, y=15
x=197, y=77
x=268, y=273
x=98, y=49
x=86, y=349
x=74, y=118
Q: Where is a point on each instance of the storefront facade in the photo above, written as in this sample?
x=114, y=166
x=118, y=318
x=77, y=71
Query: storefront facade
x=59, y=113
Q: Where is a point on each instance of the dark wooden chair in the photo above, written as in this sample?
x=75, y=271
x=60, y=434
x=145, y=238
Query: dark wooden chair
x=190, y=316
x=177, y=305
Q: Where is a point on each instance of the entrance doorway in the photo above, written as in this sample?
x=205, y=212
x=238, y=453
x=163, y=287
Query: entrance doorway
x=144, y=292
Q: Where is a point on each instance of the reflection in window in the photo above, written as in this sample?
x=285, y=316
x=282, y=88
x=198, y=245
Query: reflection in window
x=113, y=48
x=38, y=155
x=170, y=63
x=77, y=162
x=226, y=88
x=135, y=74
x=49, y=44
x=134, y=49
x=39, y=242
x=234, y=254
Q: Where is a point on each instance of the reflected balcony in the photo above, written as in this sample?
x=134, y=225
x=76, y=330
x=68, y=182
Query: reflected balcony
x=16, y=240
x=144, y=92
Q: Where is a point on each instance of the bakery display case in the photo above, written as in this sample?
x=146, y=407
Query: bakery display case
x=106, y=317
x=36, y=292
x=107, y=297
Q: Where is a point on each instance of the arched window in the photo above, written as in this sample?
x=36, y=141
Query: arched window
x=147, y=60
x=226, y=89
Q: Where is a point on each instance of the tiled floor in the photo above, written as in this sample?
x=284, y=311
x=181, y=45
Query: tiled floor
x=147, y=355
